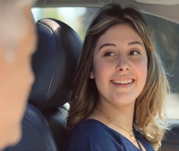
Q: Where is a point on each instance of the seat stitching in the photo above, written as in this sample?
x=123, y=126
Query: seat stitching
x=55, y=68
x=46, y=145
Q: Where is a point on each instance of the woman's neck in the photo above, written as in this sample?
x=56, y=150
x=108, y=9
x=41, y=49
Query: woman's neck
x=122, y=115
x=110, y=114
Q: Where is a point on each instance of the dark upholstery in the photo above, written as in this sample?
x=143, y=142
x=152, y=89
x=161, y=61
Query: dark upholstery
x=54, y=62
x=36, y=134
x=56, y=118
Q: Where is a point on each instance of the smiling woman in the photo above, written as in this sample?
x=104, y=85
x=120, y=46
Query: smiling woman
x=164, y=30
x=119, y=85
x=124, y=60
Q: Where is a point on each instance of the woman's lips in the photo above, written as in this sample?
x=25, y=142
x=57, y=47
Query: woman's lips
x=123, y=83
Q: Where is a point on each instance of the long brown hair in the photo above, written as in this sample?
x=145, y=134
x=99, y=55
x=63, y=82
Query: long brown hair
x=149, y=103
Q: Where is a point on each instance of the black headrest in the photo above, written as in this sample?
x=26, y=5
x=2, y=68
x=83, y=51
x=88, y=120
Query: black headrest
x=54, y=63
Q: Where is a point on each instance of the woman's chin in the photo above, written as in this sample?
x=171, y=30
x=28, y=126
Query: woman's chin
x=123, y=101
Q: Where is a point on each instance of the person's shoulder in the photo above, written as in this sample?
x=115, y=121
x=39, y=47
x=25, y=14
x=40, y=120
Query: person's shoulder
x=85, y=129
x=93, y=128
x=100, y=136
x=92, y=135
x=77, y=139
x=89, y=127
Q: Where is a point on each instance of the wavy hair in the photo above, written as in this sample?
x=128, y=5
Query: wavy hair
x=149, y=103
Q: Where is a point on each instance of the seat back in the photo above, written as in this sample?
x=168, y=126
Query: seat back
x=54, y=62
x=36, y=134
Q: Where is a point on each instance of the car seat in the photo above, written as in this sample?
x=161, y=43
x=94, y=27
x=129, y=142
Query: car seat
x=54, y=62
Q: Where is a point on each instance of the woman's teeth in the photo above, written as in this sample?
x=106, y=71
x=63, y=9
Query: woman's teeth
x=122, y=81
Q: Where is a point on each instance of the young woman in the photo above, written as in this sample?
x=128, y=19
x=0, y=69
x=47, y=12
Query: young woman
x=119, y=86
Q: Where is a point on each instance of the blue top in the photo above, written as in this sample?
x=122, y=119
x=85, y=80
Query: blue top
x=92, y=135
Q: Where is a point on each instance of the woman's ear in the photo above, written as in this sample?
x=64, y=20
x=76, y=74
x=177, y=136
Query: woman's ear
x=91, y=75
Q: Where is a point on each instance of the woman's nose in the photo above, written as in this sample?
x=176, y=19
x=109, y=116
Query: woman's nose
x=122, y=64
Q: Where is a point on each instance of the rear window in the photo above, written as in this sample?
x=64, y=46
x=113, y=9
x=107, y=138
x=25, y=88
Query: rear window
x=165, y=34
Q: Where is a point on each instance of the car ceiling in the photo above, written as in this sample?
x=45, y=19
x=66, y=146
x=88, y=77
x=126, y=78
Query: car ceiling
x=168, y=9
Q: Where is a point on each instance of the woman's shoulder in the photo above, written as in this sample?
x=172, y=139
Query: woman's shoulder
x=91, y=134
x=90, y=128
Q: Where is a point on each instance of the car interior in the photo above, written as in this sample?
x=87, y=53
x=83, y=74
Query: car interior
x=59, y=46
x=44, y=123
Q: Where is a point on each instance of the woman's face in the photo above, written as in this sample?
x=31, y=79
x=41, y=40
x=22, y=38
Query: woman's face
x=119, y=65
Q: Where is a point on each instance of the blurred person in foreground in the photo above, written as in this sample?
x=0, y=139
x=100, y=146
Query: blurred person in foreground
x=17, y=43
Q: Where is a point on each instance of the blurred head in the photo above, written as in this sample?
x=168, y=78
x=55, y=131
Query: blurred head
x=120, y=26
x=17, y=44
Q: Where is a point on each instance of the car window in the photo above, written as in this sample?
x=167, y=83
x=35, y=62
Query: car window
x=74, y=17
x=164, y=34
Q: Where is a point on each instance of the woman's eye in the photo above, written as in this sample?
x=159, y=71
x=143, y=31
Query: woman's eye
x=109, y=54
x=134, y=52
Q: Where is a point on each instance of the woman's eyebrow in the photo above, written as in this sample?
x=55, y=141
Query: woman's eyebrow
x=107, y=44
x=135, y=42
